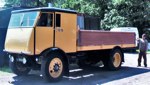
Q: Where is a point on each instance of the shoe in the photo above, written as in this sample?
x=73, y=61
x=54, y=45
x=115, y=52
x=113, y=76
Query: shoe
x=138, y=65
x=145, y=65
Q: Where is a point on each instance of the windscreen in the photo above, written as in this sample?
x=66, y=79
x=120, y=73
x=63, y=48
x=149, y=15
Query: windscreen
x=23, y=19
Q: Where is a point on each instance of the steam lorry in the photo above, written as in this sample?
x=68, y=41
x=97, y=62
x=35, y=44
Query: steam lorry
x=49, y=39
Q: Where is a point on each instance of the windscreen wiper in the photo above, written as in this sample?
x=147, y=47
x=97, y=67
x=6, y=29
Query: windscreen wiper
x=22, y=20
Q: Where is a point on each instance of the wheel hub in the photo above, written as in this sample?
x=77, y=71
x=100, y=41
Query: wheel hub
x=56, y=67
x=116, y=59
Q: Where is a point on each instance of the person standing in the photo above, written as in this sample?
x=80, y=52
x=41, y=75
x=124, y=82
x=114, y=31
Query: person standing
x=143, y=46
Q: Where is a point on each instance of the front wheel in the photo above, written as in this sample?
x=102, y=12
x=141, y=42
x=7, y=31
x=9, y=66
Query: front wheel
x=19, y=68
x=52, y=67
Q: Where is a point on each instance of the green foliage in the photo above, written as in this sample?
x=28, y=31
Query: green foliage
x=89, y=8
x=24, y=3
x=115, y=2
x=10, y=3
x=129, y=13
x=5, y=69
x=82, y=6
x=113, y=19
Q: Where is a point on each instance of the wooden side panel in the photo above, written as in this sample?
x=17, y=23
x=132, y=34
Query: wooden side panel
x=102, y=39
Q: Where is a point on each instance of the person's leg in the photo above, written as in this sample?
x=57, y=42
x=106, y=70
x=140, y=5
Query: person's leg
x=145, y=59
x=139, y=58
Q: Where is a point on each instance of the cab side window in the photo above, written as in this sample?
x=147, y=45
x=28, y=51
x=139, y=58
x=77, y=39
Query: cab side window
x=50, y=20
x=58, y=20
x=46, y=19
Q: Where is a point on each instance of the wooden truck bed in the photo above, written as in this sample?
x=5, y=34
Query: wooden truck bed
x=94, y=40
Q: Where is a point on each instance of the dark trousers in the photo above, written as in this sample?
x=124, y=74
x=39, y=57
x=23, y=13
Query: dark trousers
x=142, y=54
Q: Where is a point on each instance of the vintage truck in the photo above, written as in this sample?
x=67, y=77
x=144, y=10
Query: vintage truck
x=48, y=39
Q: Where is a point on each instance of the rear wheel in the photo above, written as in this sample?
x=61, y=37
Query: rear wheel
x=113, y=62
x=53, y=67
x=18, y=67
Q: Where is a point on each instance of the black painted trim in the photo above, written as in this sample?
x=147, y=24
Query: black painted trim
x=34, y=39
x=54, y=30
x=46, y=9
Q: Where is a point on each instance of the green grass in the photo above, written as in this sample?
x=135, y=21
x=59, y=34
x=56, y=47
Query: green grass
x=146, y=52
x=5, y=69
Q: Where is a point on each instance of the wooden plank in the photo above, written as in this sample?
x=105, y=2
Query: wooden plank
x=94, y=38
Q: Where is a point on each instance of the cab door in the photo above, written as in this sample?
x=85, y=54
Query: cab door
x=65, y=31
x=44, y=32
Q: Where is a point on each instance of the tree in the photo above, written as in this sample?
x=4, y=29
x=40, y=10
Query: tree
x=133, y=12
x=22, y=3
x=82, y=6
x=113, y=19
x=136, y=12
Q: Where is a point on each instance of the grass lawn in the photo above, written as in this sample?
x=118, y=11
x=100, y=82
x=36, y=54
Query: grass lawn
x=5, y=70
x=146, y=52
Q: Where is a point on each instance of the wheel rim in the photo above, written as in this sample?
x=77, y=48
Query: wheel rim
x=117, y=59
x=55, y=67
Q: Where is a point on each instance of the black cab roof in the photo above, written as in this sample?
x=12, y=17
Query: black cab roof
x=46, y=9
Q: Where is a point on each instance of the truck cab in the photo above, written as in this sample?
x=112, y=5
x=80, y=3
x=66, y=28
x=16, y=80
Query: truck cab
x=32, y=31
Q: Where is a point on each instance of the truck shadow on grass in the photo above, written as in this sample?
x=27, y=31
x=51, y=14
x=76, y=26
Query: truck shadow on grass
x=86, y=76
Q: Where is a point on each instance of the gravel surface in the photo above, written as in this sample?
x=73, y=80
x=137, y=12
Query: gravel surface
x=129, y=74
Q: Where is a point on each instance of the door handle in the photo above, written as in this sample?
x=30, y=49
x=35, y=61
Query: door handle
x=59, y=29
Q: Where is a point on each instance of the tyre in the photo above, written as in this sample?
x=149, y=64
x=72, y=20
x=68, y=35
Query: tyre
x=18, y=67
x=52, y=67
x=113, y=62
x=115, y=59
